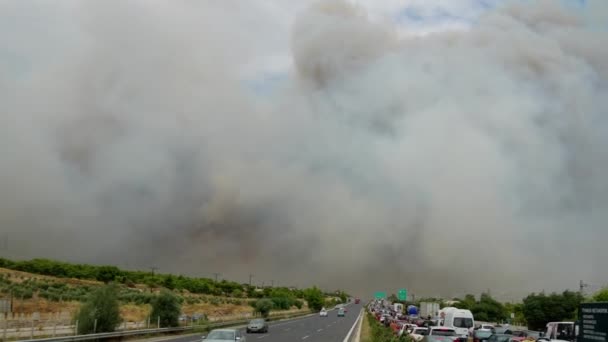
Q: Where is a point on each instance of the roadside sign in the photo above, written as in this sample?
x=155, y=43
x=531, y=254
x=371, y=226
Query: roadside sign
x=512, y=315
x=380, y=295
x=402, y=294
x=593, y=322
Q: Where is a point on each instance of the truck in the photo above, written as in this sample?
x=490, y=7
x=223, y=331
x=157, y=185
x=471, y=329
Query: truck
x=428, y=309
x=560, y=331
x=398, y=307
x=462, y=321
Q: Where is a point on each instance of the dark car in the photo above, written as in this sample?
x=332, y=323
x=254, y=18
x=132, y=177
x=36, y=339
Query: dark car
x=500, y=338
x=257, y=325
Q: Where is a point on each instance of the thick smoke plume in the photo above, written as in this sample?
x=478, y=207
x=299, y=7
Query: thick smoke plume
x=446, y=163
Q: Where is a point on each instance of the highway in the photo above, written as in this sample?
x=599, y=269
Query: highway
x=309, y=329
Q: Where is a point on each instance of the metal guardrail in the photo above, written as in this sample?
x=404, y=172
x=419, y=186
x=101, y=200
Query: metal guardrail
x=126, y=333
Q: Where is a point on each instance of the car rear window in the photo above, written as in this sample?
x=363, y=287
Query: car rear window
x=443, y=332
x=483, y=333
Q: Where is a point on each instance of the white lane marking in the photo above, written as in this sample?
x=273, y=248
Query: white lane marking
x=305, y=337
x=350, y=332
x=329, y=326
x=287, y=329
x=262, y=336
x=319, y=330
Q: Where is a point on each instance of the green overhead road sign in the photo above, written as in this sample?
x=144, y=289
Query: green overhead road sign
x=402, y=294
x=380, y=295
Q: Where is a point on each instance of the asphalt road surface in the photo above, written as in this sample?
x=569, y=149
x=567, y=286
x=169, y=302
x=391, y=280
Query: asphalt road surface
x=308, y=329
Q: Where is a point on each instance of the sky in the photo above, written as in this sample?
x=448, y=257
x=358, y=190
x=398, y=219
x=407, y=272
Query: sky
x=448, y=146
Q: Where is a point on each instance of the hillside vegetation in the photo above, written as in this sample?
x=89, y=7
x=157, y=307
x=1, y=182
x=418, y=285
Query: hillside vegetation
x=48, y=286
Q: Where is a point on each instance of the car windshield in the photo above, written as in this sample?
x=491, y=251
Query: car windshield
x=421, y=331
x=462, y=322
x=221, y=335
x=257, y=321
x=443, y=332
x=483, y=333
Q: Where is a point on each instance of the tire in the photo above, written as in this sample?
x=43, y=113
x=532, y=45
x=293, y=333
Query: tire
x=248, y=331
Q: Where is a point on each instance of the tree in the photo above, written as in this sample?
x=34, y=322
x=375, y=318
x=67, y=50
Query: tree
x=263, y=306
x=601, y=295
x=166, y=306
x=100, y=313
x=315, y=298
x=539, y=309
x=107, y=273
x=489, y=309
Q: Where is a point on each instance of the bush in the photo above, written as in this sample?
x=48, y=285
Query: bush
x=298, y=304
x=166, y=306
x=380, y=333
x=263, y=307
x=315, y=298
x=101, y=306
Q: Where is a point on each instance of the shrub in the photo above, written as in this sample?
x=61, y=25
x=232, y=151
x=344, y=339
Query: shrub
x=263, y=306
x=166, y=306
x=101, y=306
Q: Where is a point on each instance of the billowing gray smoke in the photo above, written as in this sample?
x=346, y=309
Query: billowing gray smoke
x=445, y=163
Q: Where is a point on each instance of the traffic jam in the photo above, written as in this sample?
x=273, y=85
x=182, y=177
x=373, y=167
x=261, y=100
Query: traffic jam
x=429, y=323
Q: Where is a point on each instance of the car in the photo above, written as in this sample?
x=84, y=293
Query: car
x=482, y=335
x=418, y=333
x=223, y=335
x=341, y=312
x=323, y=313
x=257, y=325
x=500, y=338
x=441, y=334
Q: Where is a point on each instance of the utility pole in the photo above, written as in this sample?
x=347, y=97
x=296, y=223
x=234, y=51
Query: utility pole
x=153, y=268
x=216, y=275
x=272, y=283
x=250, y=277
x=582, y=286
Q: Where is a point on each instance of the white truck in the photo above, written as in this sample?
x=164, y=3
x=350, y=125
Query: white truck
x=461, y=320
x=560, y=331
x=398, y=307
x=428, y=309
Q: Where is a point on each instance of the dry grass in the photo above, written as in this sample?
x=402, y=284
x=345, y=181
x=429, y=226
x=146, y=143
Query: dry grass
x=366, y=332
x=129, y=312
x=135, y=313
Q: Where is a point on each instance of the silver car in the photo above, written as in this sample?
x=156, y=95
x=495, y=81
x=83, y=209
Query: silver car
x=223, y=335
x=257, y=325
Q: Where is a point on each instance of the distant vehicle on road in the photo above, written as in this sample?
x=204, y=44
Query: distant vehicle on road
x=357, y=300
x=419, y=333
x=341, y=312
x=461, y=320
x=257, y=325
x=223, y=335
x=482, y=335
x=323, y=313
x=500, y=338
x=440, y=334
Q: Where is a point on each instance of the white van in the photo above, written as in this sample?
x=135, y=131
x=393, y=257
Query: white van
x=461, y=320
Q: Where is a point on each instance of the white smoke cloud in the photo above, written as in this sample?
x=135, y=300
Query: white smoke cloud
x=446, y=163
